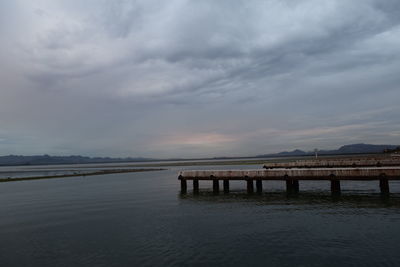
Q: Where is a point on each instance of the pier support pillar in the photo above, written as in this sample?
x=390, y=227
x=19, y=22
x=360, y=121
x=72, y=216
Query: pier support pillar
x=335, y=187
x=215, y=186
x=226, y=186
x=292, y=186
x=296, y=187
x=384, y=185
x=289, y=186
x=259, y=186
x=183, y=186
x=250, y=186
x=196, y=186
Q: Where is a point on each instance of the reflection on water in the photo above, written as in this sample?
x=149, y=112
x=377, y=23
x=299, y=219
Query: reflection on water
x=315, y=199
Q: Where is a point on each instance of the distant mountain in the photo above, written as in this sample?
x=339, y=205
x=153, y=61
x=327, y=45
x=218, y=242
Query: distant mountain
x=347, y=149
x=364, y=148
x=296, y=152
x=359, y=148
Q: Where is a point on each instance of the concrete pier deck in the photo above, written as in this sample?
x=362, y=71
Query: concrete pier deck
x=291, y=176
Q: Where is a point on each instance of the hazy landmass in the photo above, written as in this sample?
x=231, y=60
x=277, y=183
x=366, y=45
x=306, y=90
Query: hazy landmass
x=14, y=160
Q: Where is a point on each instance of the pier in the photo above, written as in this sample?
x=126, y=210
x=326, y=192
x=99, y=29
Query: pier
x=336, y=163
x=291, y=177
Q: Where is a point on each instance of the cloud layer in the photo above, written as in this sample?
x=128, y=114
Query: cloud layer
x=197, y=78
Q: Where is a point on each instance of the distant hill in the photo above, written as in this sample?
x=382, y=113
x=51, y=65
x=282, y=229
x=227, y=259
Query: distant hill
x=296, y=152
x=363, y=148
x=347, y=149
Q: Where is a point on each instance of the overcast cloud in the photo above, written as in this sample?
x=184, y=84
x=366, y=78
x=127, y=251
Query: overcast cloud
x=197, y=78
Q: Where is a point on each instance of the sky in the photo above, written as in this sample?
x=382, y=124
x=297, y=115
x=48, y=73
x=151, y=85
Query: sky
x=196, y=78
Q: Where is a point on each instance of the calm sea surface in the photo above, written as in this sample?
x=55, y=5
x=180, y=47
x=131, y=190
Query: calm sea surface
x=140, y=219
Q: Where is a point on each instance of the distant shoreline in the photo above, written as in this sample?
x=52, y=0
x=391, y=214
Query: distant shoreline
x=102, y=172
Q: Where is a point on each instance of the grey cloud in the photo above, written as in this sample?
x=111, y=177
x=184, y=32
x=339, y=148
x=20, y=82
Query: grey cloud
x=124, y=77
